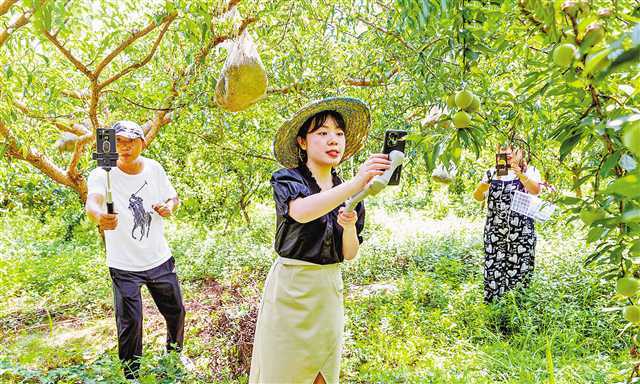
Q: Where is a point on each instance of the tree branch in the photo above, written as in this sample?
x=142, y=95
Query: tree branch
x=72, y=169
x=167, y=19
x=14, y=24
x=389, y=33
x=301, y=84
x=82, y=94
x=42, y=163
x=372, y=82
x=76, y=129
x=163, y=117
x=5, y=5
x=81, y=67
x=531, y=17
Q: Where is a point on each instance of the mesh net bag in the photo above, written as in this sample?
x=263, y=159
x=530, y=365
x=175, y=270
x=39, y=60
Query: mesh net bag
x=243, y=80
x=443, y=174
x=531, y=206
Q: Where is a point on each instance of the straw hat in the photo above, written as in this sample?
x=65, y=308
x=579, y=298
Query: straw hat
x=356, y=118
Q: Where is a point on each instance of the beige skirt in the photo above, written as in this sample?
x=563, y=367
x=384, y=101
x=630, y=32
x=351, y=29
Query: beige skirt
x=300, y=324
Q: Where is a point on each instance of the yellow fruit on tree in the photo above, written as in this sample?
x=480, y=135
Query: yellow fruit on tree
x=570, y=8
x=461, y=119
x=464, y=99
x=451, y=101
x=564, y=54
x=593, y=34
x=627, y=286
x=604, y=13
x=474, y=106
x=584, y=6
x=631, y=313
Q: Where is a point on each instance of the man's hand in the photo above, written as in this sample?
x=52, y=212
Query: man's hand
x=163, y=209
x=108, y=221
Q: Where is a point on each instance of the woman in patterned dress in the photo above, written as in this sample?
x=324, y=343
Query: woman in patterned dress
x=509, y=237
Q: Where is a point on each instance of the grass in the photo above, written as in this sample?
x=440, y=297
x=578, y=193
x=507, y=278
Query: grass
x=413, y=305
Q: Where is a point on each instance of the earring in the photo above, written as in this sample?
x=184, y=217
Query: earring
x=300, y=155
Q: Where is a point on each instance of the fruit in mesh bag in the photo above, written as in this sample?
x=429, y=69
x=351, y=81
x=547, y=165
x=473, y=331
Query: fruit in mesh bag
x=244, y=80
x=66, y=142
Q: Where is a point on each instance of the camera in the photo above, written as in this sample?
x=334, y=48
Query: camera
x=394, y=140
x=106, y=153
x=502, y=165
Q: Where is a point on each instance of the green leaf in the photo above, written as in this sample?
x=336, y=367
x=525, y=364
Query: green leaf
x=608, y=165
x=596, y=234
x=569, y=200
x=627, y=186
x=631, y=138
x=568, y=145
x=631, y=216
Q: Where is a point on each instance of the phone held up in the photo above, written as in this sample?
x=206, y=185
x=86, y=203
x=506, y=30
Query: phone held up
x=394, y=140
x=502, y=165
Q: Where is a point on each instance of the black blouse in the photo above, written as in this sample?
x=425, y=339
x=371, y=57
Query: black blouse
x=318, y=241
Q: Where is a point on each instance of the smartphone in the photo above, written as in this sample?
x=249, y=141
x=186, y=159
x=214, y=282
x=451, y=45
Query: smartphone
x=394, y=140
x=106, y=153
x=502, y=166
x=107, y=157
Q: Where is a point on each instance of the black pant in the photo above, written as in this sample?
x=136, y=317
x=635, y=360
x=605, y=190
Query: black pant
x=163, y=285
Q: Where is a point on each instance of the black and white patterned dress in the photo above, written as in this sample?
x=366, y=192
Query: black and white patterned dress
x=509, y=240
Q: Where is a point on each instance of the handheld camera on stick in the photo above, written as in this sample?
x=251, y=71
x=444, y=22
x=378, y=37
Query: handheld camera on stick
x=394, y=140
x=107, y=157
x=393, y=146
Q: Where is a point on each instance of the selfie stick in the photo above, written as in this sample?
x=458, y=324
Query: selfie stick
x=107, y=157
x=378, y=183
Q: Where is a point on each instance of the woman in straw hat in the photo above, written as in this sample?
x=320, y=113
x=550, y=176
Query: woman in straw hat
x=299, y=330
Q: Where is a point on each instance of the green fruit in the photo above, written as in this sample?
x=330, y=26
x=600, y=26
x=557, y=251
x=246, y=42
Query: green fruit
x=464, y=99
x=474, y=106
x=461, y=119
x=604, y=13
x=451, y=101
x=631, y=313
x=627, y=286
x=592, y=36
x=631, y=138
x=570, y=8
x=584, y=6
x=564, y=54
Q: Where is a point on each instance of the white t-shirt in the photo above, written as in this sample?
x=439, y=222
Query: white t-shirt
x=531, y=172
x=137, y=243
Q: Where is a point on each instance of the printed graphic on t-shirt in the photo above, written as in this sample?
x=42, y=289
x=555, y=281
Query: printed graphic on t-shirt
x=141, y=218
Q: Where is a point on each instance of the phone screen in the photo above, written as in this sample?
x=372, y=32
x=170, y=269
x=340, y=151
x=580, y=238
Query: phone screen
x=502, y=166
x=394, y=140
